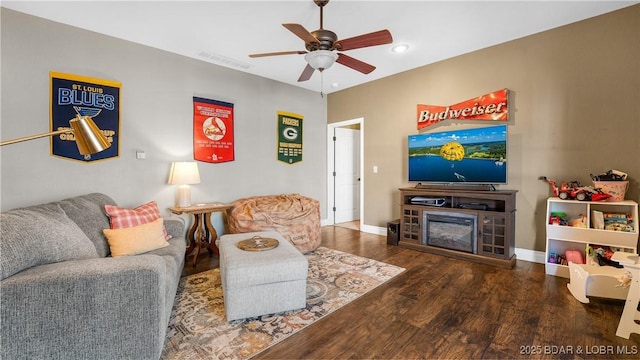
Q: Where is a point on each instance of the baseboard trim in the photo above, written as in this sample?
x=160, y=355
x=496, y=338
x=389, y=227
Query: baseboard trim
x=373, y=229
x=530, y=255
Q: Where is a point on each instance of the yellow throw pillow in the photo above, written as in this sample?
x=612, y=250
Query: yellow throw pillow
x=137, y=239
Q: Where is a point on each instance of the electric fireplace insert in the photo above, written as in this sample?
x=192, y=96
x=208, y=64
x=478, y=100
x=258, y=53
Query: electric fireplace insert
x=456, y=231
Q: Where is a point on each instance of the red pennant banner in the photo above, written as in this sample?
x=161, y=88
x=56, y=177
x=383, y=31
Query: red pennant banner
x=492, y=106
x=212, y=130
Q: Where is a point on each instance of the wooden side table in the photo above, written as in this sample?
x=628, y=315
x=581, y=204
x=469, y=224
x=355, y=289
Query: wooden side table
x=202, y=233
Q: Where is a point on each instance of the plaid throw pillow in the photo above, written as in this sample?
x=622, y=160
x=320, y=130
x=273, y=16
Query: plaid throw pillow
x=120, y=218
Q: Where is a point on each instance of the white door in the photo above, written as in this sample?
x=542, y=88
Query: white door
x=347, y=174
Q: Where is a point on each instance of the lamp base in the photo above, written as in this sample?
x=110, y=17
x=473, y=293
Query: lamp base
x=183, y=196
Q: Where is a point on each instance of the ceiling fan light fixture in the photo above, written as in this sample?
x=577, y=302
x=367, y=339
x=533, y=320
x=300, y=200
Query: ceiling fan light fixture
x=321, y=59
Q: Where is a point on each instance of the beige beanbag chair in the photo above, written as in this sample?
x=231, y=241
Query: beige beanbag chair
x=295, y=217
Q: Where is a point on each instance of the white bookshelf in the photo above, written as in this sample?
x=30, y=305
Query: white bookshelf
x=562, y=238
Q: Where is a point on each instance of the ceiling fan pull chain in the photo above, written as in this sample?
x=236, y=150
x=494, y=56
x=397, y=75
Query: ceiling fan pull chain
x=322, y=84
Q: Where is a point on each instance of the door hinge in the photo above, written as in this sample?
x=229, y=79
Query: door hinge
x=334, y=174
x=334, y=138
x=334, y=209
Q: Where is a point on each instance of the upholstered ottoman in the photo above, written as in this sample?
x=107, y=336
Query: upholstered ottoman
x=264, y=282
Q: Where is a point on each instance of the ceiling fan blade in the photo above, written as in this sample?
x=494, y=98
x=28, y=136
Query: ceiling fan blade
x=299, y=52
x=306, y=73
x=371, y=39
x=355, y=64
x=301, y=32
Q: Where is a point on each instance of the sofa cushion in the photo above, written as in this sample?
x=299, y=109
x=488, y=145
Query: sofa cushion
x=88, y=212
x=123, y=218
x=39, y=235
x=136, y=239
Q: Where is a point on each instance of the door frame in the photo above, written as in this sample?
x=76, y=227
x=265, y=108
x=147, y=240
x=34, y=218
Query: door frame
x=331, y=166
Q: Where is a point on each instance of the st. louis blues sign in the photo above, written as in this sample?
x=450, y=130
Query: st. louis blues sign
x=74, y=95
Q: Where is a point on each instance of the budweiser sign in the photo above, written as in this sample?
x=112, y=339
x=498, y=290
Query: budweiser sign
x=493, y=106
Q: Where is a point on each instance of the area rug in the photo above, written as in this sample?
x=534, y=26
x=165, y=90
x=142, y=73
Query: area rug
x=198, y=329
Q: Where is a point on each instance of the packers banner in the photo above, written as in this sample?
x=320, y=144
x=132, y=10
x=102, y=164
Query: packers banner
x=289, y=137
x=212, y=130
x=75, y=95
x=492, y=106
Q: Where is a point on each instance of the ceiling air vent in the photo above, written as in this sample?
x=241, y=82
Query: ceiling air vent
x=223, y=60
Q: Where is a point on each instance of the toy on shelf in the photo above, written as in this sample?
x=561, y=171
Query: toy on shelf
x=580, y=221
x=572, y=190
x=618, y=222
x=574, y=256
x=557, y=259
x=613, y=182
x=558, y=218
x=611, y=175
x=600, y=255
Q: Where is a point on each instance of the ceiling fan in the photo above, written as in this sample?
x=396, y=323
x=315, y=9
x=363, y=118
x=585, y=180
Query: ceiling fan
x=324, y=48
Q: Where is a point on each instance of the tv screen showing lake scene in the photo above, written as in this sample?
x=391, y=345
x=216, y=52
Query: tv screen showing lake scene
x=477, y=156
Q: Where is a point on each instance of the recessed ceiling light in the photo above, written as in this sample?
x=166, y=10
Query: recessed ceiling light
x=335, y=85
x=400, y=48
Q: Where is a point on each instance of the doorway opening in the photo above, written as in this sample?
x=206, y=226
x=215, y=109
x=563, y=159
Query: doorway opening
x=345, y=143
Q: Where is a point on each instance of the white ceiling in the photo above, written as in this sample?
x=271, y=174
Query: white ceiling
x=226, y=32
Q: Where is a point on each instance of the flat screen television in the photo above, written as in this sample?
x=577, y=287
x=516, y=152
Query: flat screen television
x=465, y=156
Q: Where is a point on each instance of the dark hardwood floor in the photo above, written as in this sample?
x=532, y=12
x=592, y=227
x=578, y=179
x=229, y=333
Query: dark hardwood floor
x=444, y=308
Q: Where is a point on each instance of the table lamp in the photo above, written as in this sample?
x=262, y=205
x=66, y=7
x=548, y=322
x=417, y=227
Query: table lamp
x=183, y=174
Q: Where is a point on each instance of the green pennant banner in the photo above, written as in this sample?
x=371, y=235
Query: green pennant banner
x=289, y=137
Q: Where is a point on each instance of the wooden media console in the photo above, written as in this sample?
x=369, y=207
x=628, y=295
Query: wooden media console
x=468, y=224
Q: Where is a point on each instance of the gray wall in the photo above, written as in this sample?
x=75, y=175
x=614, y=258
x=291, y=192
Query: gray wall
x=156, y=116
x=575, y=110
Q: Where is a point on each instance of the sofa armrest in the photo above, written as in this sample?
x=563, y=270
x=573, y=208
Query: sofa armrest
x=103, y=308
x=175, y=226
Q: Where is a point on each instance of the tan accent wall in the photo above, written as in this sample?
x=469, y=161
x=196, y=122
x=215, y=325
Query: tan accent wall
x=575, y=110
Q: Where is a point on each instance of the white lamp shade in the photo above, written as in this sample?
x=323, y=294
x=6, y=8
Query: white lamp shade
x=184, y=173
x=321, y=59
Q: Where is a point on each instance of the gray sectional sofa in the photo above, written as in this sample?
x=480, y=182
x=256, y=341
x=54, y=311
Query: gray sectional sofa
x=63, y=297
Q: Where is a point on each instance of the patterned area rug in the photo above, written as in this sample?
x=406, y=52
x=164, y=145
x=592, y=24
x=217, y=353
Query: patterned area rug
x=198, y=329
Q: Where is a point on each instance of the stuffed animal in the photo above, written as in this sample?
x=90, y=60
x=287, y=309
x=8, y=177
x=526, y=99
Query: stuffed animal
x=625, y=279
x=580, y=221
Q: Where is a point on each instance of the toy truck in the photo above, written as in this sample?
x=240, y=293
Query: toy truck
x=572, y=190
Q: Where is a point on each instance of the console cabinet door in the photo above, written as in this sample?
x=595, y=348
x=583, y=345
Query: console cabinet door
x=411, y=224
x=492, y=237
